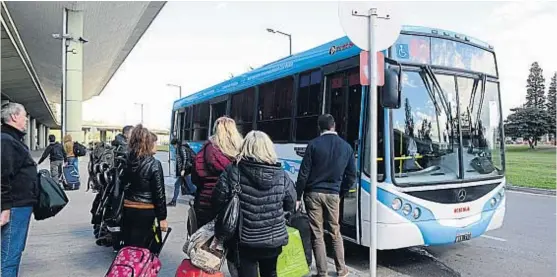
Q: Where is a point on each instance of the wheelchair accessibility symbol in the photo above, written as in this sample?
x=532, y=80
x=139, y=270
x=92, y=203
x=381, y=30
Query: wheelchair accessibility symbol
x=402, y=51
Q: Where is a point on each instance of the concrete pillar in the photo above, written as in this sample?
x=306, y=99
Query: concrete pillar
x=74, y=76
x=103, y=135
x=41, y=137
x=46, y=133
x=85, y=136
x=28, y=132
x=33, y=133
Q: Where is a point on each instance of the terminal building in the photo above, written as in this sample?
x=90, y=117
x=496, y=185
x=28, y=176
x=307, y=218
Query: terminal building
x=59, y=54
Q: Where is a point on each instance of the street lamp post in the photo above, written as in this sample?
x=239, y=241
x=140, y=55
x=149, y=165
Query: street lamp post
x=140, y=104
x=177, y=86
x=284, y=34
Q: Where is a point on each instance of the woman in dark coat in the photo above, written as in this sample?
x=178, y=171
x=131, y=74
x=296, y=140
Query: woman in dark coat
x=144, y=196
x=266, y=194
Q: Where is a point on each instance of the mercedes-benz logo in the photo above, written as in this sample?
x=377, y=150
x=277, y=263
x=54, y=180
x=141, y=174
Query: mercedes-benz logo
x=461, y=195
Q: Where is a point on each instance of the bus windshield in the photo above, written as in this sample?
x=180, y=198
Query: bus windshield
x=426, y=130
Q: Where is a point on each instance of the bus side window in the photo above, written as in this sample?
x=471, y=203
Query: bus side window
x=200, y=126
x=242, y=108
x=309, y=106
x=275, y=109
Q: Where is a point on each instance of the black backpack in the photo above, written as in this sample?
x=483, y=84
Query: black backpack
x=79, y=149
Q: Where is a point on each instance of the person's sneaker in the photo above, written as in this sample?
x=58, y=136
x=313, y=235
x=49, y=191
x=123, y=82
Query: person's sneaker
x=171, y=204
x=343, y=273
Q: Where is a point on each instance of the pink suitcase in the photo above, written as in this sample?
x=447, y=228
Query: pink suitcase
x=136, y=262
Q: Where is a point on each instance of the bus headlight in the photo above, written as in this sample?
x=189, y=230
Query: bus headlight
x=501, y=193
x=397, y=203
x=406, y=209
x=493, y=202
x=417, y=212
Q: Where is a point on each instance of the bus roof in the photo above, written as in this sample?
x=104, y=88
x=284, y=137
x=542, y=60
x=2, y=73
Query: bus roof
x=327, y=53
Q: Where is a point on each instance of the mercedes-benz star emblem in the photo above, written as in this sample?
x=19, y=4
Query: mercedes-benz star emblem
x=461, y=195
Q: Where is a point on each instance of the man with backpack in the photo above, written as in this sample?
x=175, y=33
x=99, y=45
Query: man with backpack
x=55, y=151
x=184, y=166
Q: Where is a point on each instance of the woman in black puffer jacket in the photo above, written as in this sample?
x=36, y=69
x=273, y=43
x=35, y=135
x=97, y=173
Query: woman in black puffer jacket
x=144, y=197
x=267, y=193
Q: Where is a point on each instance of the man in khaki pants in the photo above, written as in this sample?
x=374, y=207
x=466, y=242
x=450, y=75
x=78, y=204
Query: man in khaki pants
x=328, y=169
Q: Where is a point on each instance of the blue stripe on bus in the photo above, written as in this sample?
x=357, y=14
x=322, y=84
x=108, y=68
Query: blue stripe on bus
x=314, y=58
x=434, y=233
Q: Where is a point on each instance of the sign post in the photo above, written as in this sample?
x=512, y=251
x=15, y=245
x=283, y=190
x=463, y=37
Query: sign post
x=378, y=37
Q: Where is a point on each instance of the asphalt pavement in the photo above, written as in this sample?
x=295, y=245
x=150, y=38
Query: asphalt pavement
x=524, y=246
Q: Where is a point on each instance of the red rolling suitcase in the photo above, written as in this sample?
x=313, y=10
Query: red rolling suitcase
x=186, y=269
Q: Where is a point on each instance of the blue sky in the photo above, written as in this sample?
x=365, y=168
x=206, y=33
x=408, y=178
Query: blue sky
x=198, y=44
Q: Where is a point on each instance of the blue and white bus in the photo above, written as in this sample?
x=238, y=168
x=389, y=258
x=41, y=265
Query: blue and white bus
x=440, y=145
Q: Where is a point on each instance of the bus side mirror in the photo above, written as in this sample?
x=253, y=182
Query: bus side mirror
x=392, y=88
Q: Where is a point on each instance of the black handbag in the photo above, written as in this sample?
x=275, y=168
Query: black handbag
x=229, y=217
x=52, y=199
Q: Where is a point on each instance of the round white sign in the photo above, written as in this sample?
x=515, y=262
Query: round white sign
x=356, y=27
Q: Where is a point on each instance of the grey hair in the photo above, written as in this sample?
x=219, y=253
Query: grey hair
x=10, y=109
x=258, y=146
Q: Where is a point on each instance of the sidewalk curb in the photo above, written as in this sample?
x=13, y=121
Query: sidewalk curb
x=551, y=192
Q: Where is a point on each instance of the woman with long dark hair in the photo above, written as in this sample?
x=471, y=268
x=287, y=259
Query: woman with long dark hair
x=144, y=197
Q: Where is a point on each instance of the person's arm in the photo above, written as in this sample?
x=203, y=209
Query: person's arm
x=221, y=193
x=8, y=170
x=289, y=202
x=349, y=174
x=303, y=174
x=46, y=153
x=158, y=191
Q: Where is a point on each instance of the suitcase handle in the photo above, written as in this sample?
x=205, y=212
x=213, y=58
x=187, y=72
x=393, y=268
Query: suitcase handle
x=164, y=239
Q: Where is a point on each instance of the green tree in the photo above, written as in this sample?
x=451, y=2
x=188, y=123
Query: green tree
x=529, y=123
x=551, y=106
x=535, y=88
x=409, y=119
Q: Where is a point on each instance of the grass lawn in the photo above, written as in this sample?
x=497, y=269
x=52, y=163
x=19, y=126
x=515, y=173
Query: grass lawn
x=163, y=148
x=531, y=168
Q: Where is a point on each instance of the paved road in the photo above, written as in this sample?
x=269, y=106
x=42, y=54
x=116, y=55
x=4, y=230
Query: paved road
x=525, y=246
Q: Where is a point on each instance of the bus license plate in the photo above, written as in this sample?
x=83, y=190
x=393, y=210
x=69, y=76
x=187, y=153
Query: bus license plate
x=463, y=237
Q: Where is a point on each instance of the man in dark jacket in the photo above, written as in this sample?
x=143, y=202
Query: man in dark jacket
x=19, y=187
x=55, y=151
x=184, y=165
x=121, y=140
x=328, y=170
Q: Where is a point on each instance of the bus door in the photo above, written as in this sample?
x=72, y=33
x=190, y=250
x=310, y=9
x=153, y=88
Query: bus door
x=343, y=102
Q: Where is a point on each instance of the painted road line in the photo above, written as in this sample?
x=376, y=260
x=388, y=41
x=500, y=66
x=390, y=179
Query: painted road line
x=493, y=238
x=529, y=193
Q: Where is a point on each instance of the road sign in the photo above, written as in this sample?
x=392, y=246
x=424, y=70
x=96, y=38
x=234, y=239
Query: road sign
x=364, y=70
x=355, y=27
x=370, y=31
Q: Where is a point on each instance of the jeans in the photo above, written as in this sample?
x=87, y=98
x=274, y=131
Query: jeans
x=73, y=161
x=14, y=237
x=177, y=187
x=56, y=169
x=325, y=208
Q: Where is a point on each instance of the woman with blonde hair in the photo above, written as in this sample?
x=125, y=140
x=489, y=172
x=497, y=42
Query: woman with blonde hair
x=144, y=196
x=217, y=153
x=71, y=157
x=266, y=193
